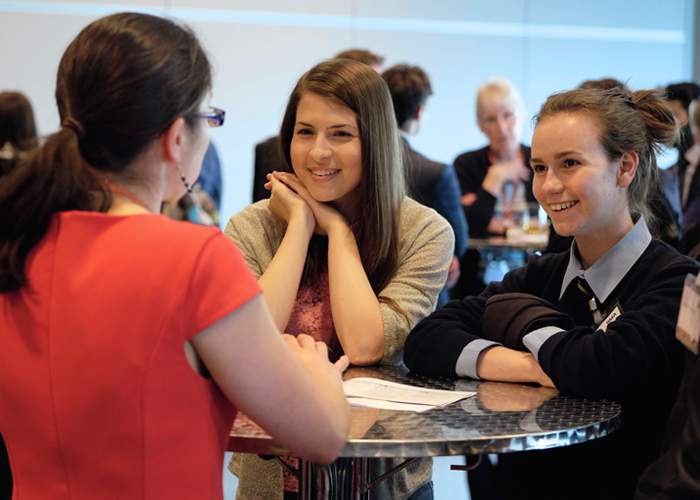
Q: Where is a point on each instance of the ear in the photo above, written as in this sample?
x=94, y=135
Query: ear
x=172, y=141
x=627, y=169
x=419, y=112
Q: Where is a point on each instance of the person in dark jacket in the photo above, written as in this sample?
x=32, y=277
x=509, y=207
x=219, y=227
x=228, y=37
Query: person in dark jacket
x=595, y=322
x=494, y=180
x=675, y=475
x=680, y=95
x=678, y=178
x=496, y=175
x=689, y=184
x=429, y=182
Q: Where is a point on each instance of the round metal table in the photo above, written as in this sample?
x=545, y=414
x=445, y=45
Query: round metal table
x=500, y=418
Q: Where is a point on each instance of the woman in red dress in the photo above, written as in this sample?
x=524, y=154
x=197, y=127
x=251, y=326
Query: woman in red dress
x=129, y=340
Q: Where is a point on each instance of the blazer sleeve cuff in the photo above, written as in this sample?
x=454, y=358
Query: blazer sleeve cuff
x=466, y=362
x=536, y=338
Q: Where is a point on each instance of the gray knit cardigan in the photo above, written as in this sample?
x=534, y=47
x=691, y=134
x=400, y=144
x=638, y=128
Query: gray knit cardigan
x=426, y=245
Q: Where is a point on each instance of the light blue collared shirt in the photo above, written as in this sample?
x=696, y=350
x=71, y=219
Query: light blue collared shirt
x=602, y=277
x=607, y=272
x=466, y=362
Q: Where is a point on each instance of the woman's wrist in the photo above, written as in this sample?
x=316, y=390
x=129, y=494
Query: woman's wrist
x=302, y=222
x=338, y=229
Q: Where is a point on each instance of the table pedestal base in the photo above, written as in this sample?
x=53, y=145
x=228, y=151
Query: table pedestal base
x=344, y=479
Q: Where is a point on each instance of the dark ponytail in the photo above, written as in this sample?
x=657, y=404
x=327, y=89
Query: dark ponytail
x=52, y=179
x=121, y=83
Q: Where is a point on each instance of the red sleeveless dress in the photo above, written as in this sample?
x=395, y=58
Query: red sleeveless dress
x=97, y=399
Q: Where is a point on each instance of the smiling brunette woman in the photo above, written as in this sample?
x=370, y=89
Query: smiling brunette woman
x=597, y=321
x=339, y=251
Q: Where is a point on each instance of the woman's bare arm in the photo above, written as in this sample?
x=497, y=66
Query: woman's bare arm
x=292, y=392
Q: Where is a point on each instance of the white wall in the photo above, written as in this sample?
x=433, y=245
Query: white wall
x=260, y=48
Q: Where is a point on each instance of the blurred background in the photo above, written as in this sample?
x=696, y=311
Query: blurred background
x=260, y=48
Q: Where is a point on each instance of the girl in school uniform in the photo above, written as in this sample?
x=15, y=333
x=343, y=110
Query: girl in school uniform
x=596, y=321
x=339, y=251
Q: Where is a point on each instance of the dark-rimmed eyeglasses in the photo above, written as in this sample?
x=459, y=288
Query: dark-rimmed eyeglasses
x=214, y=116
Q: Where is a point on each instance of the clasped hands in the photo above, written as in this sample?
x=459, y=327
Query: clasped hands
x=500, y=173
x=291, y=201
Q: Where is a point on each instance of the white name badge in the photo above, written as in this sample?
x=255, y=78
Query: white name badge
x=688, y=325
x=614, y=314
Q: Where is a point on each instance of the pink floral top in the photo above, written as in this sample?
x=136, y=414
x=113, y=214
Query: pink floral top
x=312, y=315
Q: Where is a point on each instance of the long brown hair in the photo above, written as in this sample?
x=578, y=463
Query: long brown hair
x=381, y=188
x=640, y=121
x=121, y=83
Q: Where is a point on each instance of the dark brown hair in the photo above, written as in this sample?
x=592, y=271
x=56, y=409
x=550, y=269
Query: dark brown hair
x=17, y=121
x=409, y=87
x=381, y=188
x=684, y=93
x=638, y=121
x=606, y=83
x=361, y=55
x=121, y=83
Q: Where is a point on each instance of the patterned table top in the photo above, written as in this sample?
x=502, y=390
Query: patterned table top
x=500, y=418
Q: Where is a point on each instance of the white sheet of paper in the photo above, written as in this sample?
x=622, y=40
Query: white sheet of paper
x=373, y=388
x=387, y=405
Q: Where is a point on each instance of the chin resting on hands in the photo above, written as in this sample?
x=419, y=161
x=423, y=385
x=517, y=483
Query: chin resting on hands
x=287, y=205
x=327, y=217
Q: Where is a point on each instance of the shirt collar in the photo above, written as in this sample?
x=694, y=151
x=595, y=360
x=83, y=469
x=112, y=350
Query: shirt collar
x=607, y=272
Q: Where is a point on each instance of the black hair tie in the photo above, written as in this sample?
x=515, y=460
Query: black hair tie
x=74, y=125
